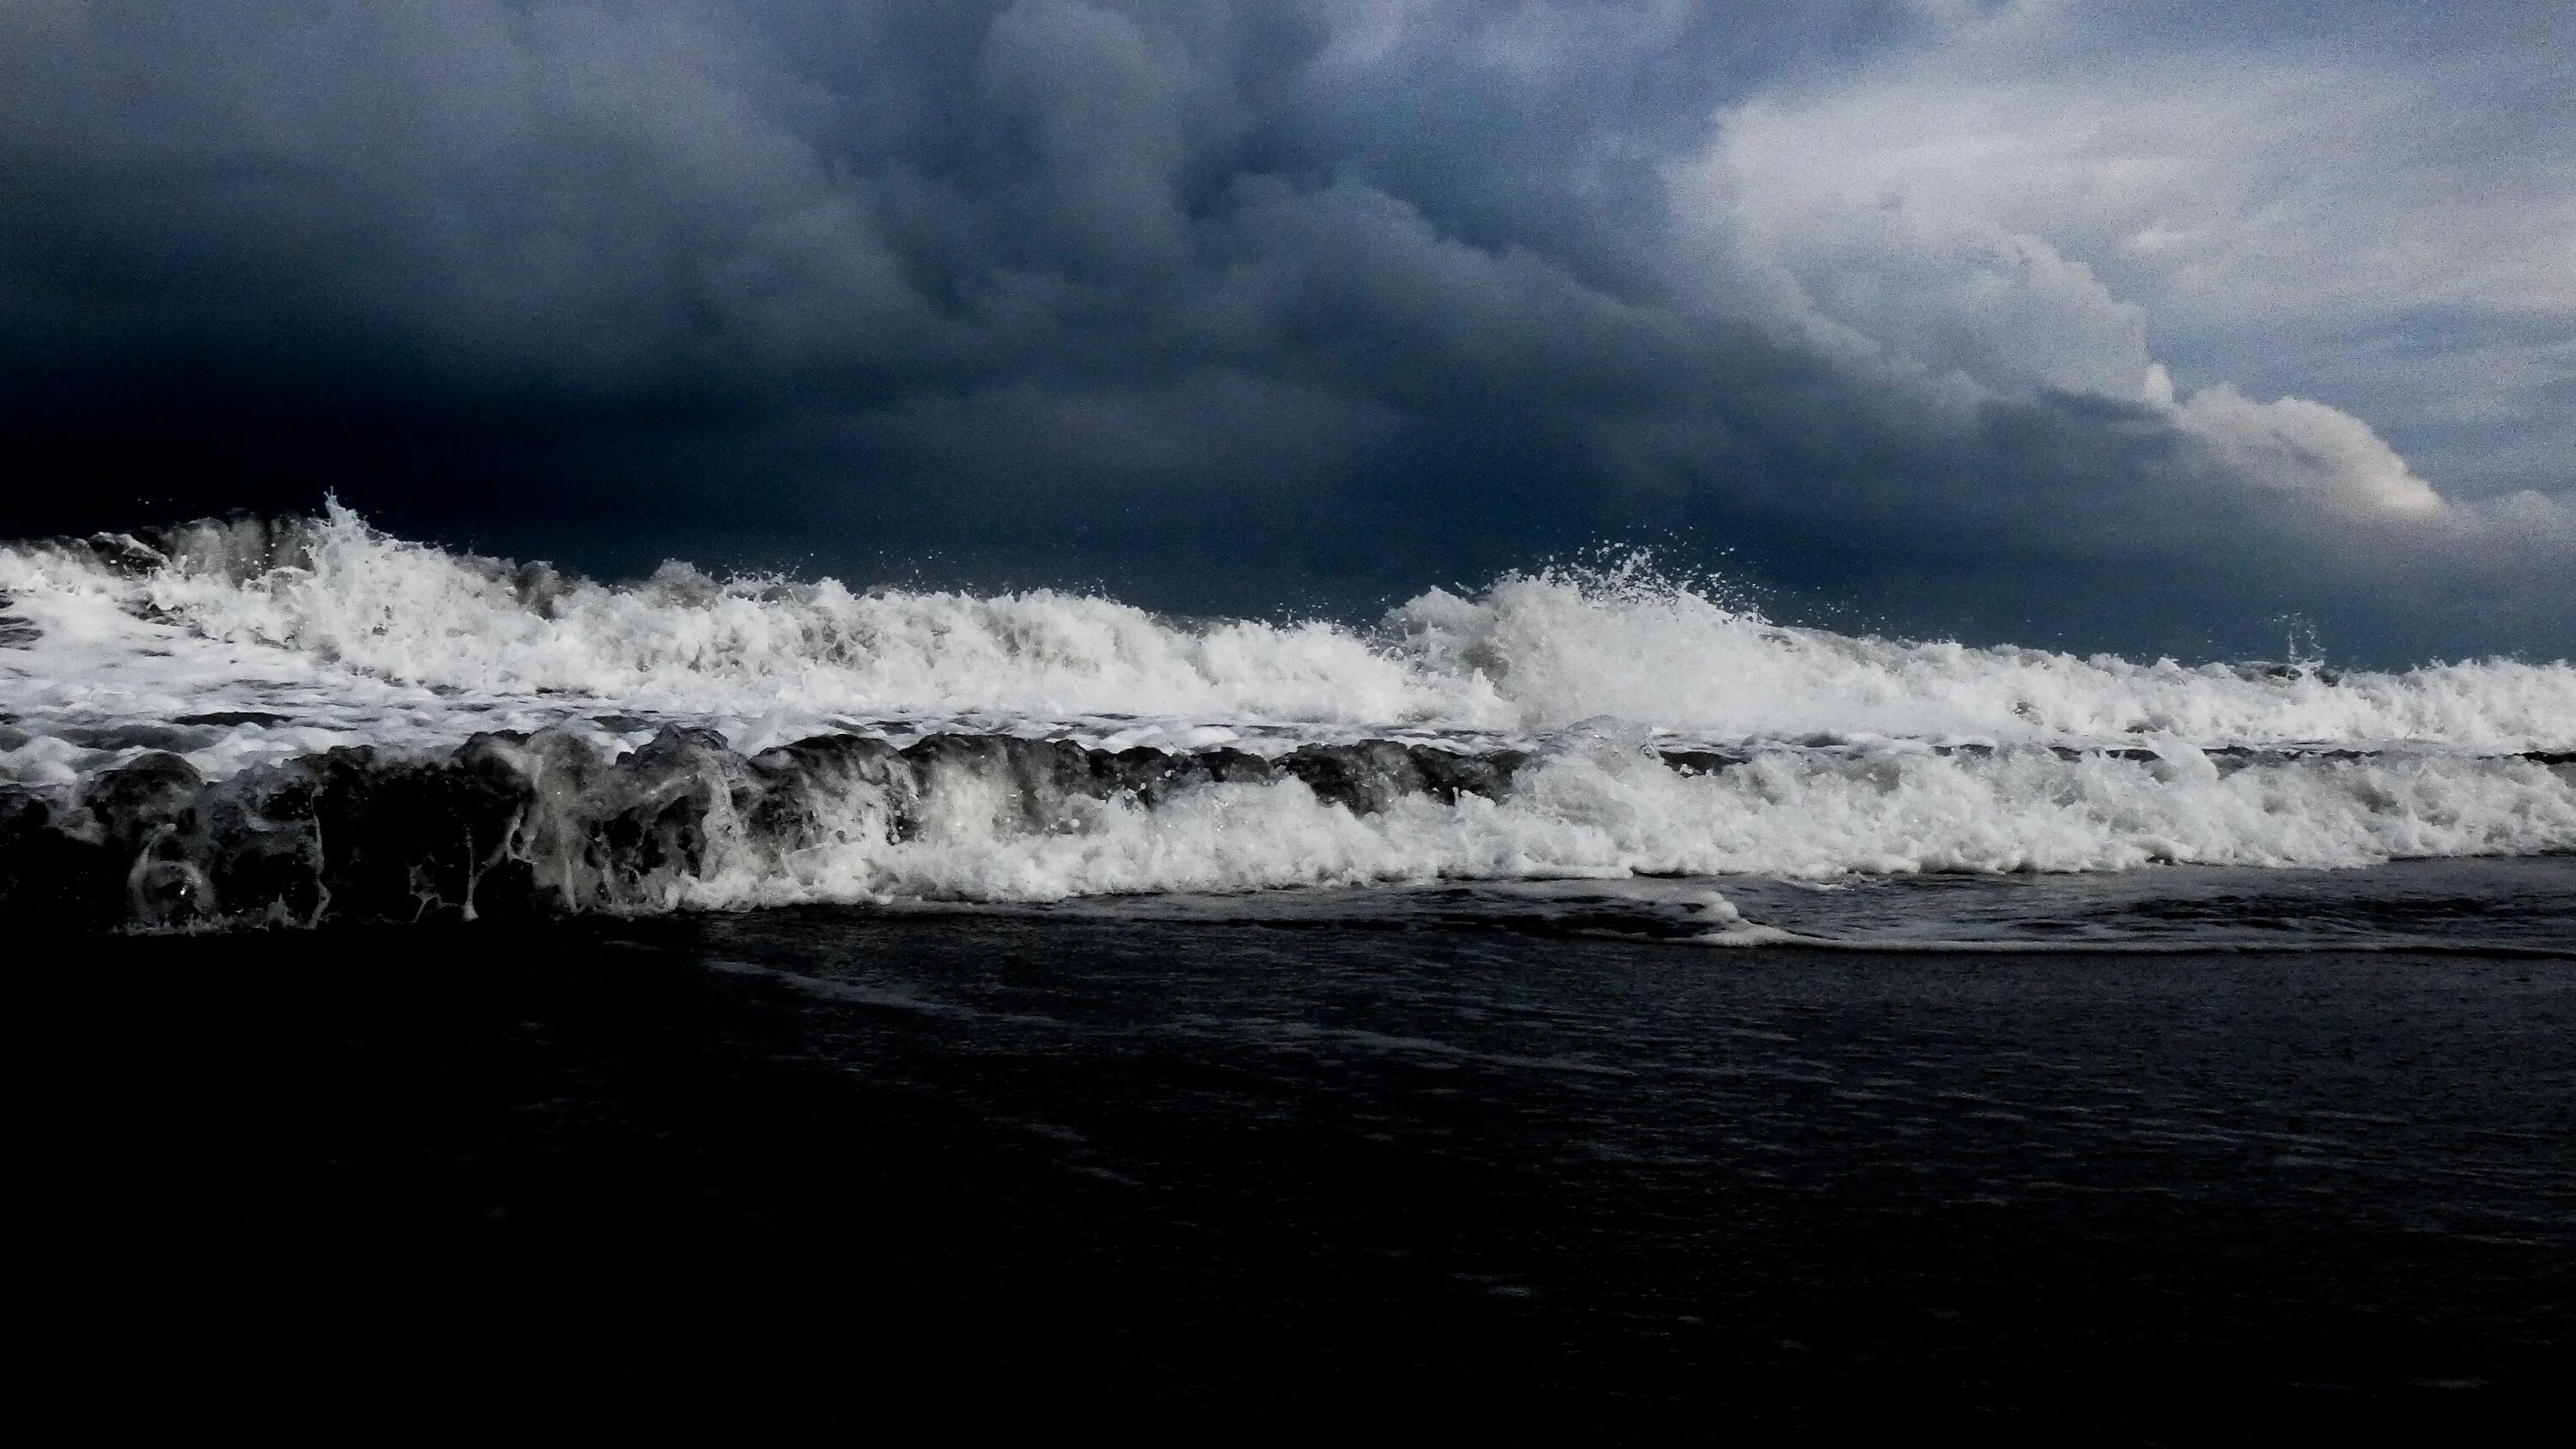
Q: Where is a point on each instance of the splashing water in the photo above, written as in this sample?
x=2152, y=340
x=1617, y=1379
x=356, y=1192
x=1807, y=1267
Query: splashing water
x=169, y=698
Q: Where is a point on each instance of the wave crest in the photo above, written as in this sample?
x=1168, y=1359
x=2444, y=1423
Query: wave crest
x=332, y=600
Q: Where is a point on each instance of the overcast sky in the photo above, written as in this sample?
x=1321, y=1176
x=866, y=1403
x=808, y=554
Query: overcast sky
x=2130, y=325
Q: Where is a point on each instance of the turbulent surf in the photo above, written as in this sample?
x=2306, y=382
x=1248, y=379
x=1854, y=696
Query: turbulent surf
x=303, y=721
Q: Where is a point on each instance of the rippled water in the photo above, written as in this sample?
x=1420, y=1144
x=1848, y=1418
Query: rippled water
x=2523, y=908
x=1475, y=1159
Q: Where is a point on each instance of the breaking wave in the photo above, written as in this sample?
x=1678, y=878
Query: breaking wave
x=306, y=720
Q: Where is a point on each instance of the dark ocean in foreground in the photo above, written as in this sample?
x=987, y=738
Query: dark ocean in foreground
x=1278, y=1174
x=455, y=991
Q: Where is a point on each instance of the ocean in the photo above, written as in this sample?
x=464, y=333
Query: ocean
x=1576, y=1003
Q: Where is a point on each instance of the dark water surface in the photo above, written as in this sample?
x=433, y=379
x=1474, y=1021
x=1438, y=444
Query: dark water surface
x=1284, y=1171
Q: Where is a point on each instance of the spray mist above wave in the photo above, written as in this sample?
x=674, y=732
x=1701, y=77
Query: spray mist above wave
x=330, y=624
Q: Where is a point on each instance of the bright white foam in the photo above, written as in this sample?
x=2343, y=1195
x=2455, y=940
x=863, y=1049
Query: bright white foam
x=1561, y=648
x=358, y=637
x=1789, y=812
x=355, y=636
x=683, y=642
x=344, y=636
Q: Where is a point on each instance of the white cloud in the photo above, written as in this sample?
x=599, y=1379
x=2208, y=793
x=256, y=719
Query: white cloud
x=2305, y=447
x=2391, y=233
x=1990, y=220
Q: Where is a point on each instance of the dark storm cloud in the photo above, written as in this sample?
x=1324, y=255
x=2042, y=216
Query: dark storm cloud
x=1222, y=306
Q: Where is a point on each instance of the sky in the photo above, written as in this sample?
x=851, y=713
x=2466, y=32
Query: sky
x=2135, y=326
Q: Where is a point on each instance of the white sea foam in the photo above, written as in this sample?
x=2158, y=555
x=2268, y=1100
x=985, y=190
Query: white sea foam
x=360, y=604
x=239, y=646
x=1787, y=812
x=346, y=628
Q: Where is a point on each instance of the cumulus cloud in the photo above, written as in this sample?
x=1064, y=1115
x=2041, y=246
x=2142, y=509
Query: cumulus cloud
x=2367, y=208
x=1230, y=306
